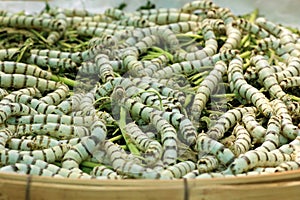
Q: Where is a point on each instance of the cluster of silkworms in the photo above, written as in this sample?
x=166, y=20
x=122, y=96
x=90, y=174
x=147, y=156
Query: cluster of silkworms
x=167, y=93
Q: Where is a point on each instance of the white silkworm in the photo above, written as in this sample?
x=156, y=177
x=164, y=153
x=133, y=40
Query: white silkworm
x=228, y=120
x=206, y=88
x=267, y=78
x=288, y=129
x=271, y=140
x=178, y=170
x=254, y=158
x=239, y=85
x=256, y=130
x=204, y=144
x=243, y=140
x=207, y=163
x=152, y=148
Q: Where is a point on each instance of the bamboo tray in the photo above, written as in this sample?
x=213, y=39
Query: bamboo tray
x=285, y=185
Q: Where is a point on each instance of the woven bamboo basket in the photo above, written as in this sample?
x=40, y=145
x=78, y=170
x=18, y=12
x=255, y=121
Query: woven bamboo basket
x=283, y=185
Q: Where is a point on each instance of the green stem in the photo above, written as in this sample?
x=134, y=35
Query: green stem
x=122, y=123
x=198, y=75
x=160, y=50
x=253, y=16
x=245, y=54
x=118, y=137
x=89, y=164
x=189, y=35
x=231, y=95
x=65, y=80
x=295, y=98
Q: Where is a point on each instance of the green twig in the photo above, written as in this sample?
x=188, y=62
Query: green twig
x=122, y=123
x=65, y=80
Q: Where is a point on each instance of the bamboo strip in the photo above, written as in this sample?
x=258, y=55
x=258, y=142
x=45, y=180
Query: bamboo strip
x=270, y=186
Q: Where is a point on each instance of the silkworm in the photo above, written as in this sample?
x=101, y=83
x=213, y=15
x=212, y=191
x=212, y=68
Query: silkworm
x=168, y=138
x=256, y=130
x=36, y=104
x=289, y=130
x=206, y=88
x=222, y=175
x=135, y=21
x=207, y=163
x=18, y=81
x=115, y=13
x=128, y=168
x=11, y=157
x=243, y=140
x=161, y=88
x=273, y=43
x=53, y=129
x=20, y=144
x=104, y=171
x=271, y=141
x=239, y=85
x=204, y=144
x=285, y=36
x=70, y=104
x=168, y=18
x=210, y=48
x=162, y=103
x=251, y=27
x=55, y=63
x=13, y=96
x=225, y=14
x=11, y=67
x=44, y=141
x=254, y=158
x=191, y=175
x=53, y=118
x=153, y=149
x=5, y=135
x=105, y=69
x=145, y=12
x=287, y=166
x=49, y=155
x=106, y=25
x=268, y=25
x=82, y=150
x=233, y=39
x=178, y=170
x=55, y=97
x=3, y=93
x=167, y=131
x=75, y=20
x=188, y=67
x=9, y=109
x=22, y=21
x=27, y=169
x=107, y=88
x=228, y=120
x=267, y=78
x=7, y=53
x=292, y=69
x=195, y=5
x=86, y=103
x=76, y=12
x=290, y=82
x=183, y=27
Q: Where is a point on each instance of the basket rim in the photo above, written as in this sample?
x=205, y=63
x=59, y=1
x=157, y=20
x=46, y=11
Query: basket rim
x=251, y=179
x=268, y=186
